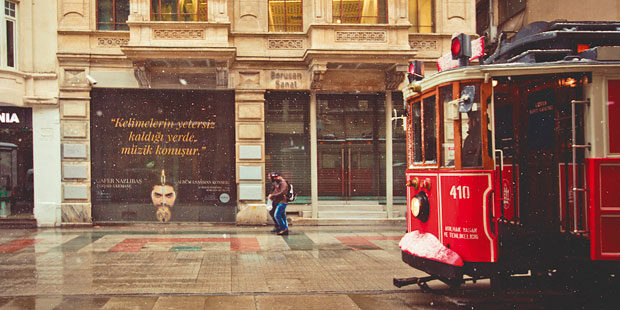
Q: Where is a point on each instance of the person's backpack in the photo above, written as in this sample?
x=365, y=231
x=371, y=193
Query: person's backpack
x=291, y=195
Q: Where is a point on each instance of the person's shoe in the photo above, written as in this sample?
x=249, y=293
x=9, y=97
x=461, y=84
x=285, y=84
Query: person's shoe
x=283, y=232
x=275, y=230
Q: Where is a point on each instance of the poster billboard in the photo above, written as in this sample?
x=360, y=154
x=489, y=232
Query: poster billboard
x=162, y=155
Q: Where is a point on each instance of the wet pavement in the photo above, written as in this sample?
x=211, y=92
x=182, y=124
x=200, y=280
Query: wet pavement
x=172, y=266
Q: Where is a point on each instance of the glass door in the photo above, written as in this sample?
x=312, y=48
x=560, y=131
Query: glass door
x=349, y=152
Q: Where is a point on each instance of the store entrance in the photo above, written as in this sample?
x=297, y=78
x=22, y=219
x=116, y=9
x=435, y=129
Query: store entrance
x=16, y=164
x=351, y=150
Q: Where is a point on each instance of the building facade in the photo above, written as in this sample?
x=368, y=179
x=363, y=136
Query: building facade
x=494, y=17
x=29, y=114
x=146, y=110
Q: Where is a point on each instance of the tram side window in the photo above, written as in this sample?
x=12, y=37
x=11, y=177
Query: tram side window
x=471, y=151
x=417, y=132
x=430, y=135
x=447, y=147
x=471, y=155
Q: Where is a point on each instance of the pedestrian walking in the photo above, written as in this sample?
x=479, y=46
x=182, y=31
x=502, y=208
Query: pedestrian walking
x=279, y=198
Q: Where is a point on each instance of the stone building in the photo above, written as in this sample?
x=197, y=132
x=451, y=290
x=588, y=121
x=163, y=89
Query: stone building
x=177, y=109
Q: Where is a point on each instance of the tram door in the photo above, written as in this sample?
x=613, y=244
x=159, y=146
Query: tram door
x=538, y=179
x=349, y=156
x=545, y=153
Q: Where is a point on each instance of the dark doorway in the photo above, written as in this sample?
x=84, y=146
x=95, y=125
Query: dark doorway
x=351, y=151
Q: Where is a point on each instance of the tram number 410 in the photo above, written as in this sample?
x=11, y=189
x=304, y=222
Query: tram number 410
x=460, y=192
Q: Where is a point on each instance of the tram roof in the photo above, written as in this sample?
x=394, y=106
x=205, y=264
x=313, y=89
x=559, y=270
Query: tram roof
x=520, y=69
x=545, y=48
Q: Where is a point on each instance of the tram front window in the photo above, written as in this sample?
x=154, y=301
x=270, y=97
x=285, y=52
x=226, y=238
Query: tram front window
x=424, y=132
x=417, y=132
x=430, y=136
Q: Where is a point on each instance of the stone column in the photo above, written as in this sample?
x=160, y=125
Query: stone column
x=314, y=174
x=250, y=159
x=75, y=142
x=46, y=165
x=389, y=173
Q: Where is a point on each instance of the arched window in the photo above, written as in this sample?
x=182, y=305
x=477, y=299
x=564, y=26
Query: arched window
x=112, y=14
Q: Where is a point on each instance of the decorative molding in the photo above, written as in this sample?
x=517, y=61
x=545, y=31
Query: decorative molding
x=361, y=36
x=393, y=79
x=178, y=34
x=74, y=77
x=249, y=78
x=111, y=42
x=424, y=45
x=317, y=79
x=289, y=44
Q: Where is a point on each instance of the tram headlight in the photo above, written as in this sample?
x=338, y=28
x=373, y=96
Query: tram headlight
x=420, y=207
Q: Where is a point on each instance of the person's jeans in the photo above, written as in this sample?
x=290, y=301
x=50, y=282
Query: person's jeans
x=280, y=216
x=272, y=213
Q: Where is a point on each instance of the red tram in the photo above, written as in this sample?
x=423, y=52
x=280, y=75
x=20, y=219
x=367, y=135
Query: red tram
x=514, y=163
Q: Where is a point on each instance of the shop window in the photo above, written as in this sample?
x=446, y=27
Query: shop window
x=287, y=140
x=112, y=14
x=285, y=15
x=179, y=10
x=359, y=11
x=421, y=16
x=16, y=169
x=8, y=28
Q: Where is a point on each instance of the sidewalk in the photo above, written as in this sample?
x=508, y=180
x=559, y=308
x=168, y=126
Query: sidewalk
x=201, y=264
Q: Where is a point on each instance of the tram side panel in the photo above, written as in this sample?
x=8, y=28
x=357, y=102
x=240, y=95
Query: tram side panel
x=432, y=224
x=466, y=227
x=461, y=208
x=604, y=213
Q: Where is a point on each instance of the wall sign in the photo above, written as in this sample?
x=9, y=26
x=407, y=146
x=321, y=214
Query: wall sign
x=164, y=155
x=15, y=117
x=285, y=79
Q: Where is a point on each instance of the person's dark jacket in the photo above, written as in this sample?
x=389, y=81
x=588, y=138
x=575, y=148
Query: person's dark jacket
x=280, y=189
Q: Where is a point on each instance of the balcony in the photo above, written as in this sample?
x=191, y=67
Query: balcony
x=170, y=46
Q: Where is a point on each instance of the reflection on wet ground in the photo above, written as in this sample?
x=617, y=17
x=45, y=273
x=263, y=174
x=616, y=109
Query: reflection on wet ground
x=228, y=267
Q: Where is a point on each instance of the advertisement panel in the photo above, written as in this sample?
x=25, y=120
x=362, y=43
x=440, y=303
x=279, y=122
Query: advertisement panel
x=162, y=155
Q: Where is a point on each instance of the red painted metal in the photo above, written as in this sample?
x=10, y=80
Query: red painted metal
x=604, y=207
x=613, y=107
x=460, y=212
